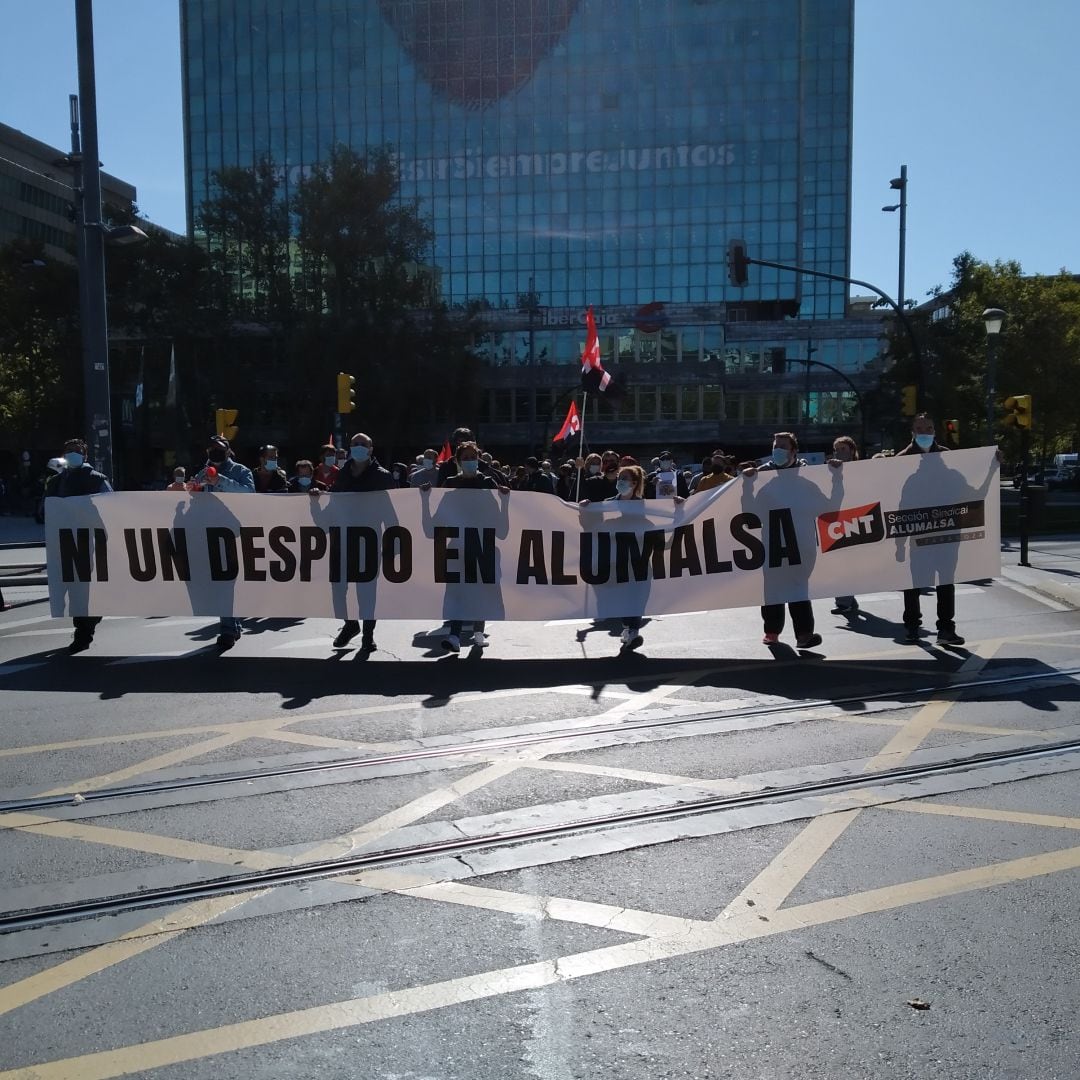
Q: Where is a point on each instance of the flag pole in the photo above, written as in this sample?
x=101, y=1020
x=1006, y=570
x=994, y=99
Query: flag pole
x=581, y=443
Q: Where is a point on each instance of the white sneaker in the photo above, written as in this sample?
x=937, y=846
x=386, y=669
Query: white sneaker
x=480, y=640
x=451, y=643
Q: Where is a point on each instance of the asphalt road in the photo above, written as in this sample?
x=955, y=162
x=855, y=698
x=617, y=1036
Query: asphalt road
x=703, y=861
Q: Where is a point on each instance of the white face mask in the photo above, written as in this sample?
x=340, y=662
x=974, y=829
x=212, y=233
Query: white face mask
x=330, y=460
x=594, y=470
x=624, y=487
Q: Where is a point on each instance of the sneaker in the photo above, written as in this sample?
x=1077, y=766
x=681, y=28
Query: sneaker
x=81, y=641
x=949, y=637
x=808, y=641
x=452, y=643
x=225, y=642
x=480, y=640
x=911, y=636
x=631, y=640
x=841, y=609
x=367, y=644
x=346, y=634
x=770, y=639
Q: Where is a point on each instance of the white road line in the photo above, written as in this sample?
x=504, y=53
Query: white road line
x=1032, y=594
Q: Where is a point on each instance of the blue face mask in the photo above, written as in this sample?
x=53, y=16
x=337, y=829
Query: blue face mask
x=594, y=470
x=304, y=481
x=779, y=457
x=469, y=468
x=271, y=464
x=330, y=460
x=924, y=442
x=360, y=453
x=624, y=487
x=74, y=460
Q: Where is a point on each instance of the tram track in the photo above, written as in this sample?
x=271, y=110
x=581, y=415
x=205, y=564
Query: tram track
x=904, y=697
x=302, y=873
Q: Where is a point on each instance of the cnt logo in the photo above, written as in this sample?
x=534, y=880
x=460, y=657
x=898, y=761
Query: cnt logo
x=845, y=528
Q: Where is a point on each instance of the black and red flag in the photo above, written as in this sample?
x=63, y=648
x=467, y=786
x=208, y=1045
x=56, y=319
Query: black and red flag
x=571, y=425
x=594, y=379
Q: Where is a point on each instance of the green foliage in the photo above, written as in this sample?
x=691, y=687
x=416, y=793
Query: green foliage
x=1038, y=353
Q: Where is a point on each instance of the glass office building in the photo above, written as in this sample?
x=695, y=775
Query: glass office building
x=590, y=151
x=581, y=152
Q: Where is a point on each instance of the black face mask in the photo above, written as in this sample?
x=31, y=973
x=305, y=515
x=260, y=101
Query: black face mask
x=217, y=454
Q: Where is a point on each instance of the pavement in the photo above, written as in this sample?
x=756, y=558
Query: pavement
x=872, y=870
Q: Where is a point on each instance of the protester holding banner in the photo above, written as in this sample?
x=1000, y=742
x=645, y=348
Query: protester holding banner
x=427, y=472
x=448, y=466
x=304, y=482
x=924, y=442
x=785, y=455
x=844, y=449
x=536, y=479
x=665, y=482
x=327, y=469
x=600, y=486
x=630, y=485
x=363, y=473
x=223, y=473
x=469, y=477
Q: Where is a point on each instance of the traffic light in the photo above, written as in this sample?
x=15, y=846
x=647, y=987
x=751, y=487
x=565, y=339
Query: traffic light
x=909, y=400
x=737, y=262
x=952, y=432
x=778, y=361
x=1018, y=411
x=346, y=394
x=225, y=423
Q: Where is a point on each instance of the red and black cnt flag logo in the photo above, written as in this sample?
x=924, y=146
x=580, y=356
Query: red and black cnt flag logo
x=846, y=528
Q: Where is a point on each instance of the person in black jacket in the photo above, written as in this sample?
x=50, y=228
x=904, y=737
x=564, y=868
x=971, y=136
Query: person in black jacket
x=923, y=441
x=79, y=478
x=535, y=480
x=361, y=473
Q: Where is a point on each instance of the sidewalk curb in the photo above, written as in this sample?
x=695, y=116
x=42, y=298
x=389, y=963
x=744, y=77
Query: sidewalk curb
x=1052, y=589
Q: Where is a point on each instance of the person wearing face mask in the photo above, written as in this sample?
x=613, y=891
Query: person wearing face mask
x=179, y=480
x=228, y=477
x=363, y=473
x=600, y=485
x=630, y=485
x=79, y=477
x=270, y=478
x=467, y=477
x=342, y=458
x=923, y=441
x=427, y=472
x=536, y=479
x=665, y=482
x=718, y=473
x=304, y=481
x=844, y=450
x=449, y=467
x=785, y=455
x=327, y=469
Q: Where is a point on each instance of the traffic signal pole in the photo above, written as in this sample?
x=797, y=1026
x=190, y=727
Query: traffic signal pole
x=900, y=313
x=1024, y=504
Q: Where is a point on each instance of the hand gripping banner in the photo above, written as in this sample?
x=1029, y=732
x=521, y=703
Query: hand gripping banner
x=774, y=537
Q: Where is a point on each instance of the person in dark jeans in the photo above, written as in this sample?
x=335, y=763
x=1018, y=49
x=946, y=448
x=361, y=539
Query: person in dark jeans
x=362, y=472
x=79, y=478
x=785, y=455
x=923, y=441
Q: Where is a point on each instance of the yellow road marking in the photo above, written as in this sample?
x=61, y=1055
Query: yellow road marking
x=979, y=813
x=197, y=1045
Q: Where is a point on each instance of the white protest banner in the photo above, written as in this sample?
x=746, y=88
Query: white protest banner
x=778, y=536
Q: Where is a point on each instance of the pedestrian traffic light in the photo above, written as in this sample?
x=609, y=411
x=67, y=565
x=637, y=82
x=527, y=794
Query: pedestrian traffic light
x=346, y=394
x=952, y=432
x=225, y=423
x=737, y=262
x=1018, y=411
x=909, y=400
x=778, y=361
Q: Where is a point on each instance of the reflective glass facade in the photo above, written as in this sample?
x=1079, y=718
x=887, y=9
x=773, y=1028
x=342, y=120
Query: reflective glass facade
x=589, y=151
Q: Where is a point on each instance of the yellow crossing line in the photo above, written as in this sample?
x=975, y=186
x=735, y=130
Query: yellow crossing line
x=336, y=1016
x=979, y=813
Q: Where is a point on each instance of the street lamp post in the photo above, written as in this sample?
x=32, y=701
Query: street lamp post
x=899, y=183
x=992, y=318
x=90, y=241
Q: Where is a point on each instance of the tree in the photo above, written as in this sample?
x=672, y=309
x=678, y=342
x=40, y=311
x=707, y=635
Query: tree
x=1038, y=352
x=246, y=225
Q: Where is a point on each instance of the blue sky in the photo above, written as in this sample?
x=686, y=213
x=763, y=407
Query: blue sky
x=972, y=95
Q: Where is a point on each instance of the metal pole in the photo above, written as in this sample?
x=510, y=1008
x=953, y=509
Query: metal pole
x=91, y=252
x=1024, y=504
x=903, y=234
x=991, y=372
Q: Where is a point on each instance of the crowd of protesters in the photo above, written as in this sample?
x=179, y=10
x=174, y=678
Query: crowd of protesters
x=462, y=463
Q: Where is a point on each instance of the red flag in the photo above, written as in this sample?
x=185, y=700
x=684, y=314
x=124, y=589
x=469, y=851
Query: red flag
x=590, y=358
x=445, y=454
x=571, y=425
